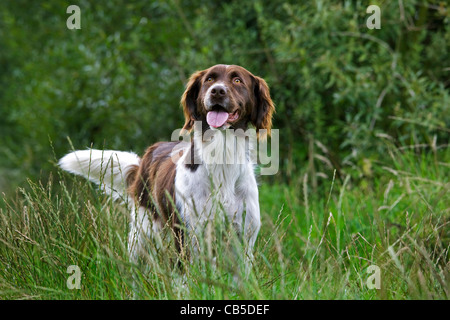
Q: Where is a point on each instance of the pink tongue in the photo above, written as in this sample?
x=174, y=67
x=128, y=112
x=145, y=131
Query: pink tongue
x=216, y=119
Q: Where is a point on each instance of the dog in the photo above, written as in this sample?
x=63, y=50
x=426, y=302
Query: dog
x=177, y=183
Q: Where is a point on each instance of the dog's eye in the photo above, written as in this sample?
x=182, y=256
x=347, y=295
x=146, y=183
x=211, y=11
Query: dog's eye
x=210, y=79
x=237, y=80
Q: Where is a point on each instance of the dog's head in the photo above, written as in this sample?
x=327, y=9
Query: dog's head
x=227, y=96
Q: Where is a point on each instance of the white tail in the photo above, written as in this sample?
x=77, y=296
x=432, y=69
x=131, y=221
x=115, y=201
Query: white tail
x=107, y=168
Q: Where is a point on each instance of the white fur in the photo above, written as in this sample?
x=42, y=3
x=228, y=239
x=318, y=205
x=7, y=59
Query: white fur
x=107, y=168
x=143, y=229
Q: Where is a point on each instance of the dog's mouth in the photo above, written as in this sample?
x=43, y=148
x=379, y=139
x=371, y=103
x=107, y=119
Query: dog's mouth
x=217, y=117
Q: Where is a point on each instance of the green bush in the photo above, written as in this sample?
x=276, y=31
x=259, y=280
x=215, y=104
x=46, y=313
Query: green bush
x=116, y=83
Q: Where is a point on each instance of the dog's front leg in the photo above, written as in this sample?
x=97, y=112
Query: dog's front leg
x=251, y=226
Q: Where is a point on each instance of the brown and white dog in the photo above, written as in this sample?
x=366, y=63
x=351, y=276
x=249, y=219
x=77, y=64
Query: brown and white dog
x=219, y=98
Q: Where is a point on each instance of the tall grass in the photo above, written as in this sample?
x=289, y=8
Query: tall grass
x=312, y=245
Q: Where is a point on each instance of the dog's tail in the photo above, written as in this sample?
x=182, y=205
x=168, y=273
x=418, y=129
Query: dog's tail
x=108, y=168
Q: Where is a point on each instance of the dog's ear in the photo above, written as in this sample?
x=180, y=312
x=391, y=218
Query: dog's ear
x=263, y=109
x=189, y=100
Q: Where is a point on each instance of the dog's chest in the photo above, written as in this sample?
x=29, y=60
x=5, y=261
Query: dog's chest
x=211, y=192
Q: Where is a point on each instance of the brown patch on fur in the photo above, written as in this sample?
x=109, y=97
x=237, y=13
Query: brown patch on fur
x=153, y=186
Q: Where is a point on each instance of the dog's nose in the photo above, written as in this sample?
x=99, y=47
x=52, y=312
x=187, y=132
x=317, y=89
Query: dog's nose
x=218, y=90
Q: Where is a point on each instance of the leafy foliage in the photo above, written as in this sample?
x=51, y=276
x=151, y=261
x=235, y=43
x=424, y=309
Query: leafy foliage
x=116, y=83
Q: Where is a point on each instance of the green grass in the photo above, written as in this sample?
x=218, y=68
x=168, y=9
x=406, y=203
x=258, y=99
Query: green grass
x=314, y=244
